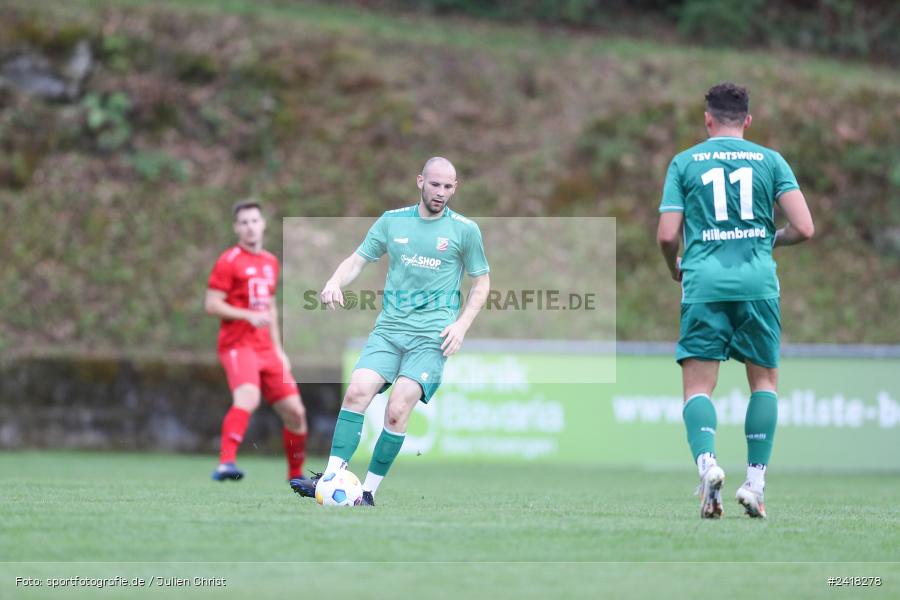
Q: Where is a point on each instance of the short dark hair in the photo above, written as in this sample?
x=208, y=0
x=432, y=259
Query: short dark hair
x=245, y=204
x=728, y=102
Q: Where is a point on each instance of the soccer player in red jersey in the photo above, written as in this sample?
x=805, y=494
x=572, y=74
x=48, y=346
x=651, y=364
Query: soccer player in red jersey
x=242, y=293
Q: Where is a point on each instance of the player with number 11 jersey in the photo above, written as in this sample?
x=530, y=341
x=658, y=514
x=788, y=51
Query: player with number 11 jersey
x=727, y=188
x=720, y=197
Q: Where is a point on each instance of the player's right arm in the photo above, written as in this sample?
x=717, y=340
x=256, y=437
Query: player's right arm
x=216, y=306
x=221, y=279
x=800, y=224
x=343, y=276
x=671, y=220
x=668, y=236
x=372, y=248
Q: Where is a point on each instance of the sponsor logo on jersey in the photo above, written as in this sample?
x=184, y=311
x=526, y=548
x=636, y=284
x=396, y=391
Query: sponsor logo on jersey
x=250, y=271
x=718, y=235
x=404, y=240
x=421, y=262
x=260, y=294
x=442, y=244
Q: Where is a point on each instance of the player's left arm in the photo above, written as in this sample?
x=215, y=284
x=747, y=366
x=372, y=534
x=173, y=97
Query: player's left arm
x=668, y=236
x=275, y=334
x=793, y=204
x=455, y=332
x=800, y=223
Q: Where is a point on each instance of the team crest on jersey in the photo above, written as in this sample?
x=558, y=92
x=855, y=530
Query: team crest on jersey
x=442, y=244
x=267, y=271
x=260, y=294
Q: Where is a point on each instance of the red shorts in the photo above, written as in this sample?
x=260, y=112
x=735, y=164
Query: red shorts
x=262, y=368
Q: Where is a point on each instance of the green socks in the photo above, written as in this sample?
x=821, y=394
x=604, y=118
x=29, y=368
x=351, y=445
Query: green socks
x=759, y=426
x=700, y=421
x=347, y=432
x=386, y=450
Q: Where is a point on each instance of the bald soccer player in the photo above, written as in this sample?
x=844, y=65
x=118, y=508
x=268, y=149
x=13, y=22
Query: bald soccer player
x=429, y=247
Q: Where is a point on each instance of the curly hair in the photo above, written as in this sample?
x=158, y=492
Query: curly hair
x=728, y=103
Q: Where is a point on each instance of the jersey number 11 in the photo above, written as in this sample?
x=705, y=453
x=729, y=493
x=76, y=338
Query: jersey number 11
x=716, y=177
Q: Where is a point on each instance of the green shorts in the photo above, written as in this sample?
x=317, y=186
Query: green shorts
x=745, y=330
x=415, y=356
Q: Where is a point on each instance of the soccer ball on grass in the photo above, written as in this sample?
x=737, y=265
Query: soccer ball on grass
x=339, y=488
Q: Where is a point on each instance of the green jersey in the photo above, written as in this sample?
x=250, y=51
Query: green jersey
x=727, y=188
x=427, y=258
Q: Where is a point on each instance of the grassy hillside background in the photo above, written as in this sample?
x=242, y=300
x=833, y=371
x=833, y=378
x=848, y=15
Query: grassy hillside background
x=116, y=204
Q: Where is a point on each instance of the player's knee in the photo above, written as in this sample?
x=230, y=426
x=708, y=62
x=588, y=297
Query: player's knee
x=357, y=397
x=762, y=378
x=295, y=417
x=396, y=417
x=246, y=398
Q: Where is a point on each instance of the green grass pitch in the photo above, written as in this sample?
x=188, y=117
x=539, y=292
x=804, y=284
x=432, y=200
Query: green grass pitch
x=444, y=530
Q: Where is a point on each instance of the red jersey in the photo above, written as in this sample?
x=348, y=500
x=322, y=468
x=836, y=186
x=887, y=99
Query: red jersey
x=249, y=281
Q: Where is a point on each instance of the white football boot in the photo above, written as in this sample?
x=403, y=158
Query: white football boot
x=751, y=498
x=710, y=492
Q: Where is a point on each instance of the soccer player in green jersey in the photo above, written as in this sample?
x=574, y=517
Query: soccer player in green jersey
x=429, y=248
x=720, y=197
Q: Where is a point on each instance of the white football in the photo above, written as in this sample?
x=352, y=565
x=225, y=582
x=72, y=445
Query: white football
x=339, y=488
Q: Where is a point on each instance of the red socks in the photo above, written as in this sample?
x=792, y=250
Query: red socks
x=235, y=424
x=233, y=427
x=295, y=451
